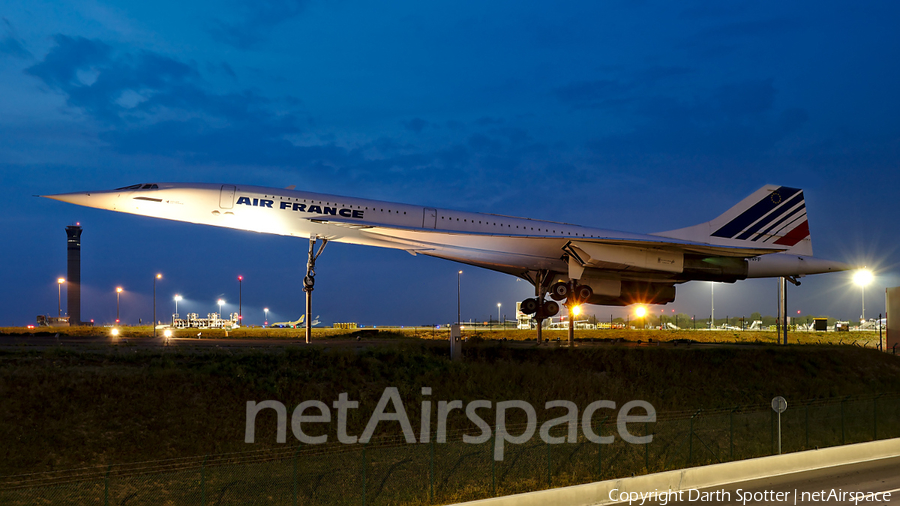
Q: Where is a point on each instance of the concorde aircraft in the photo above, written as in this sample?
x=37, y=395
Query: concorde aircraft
x=764, y=235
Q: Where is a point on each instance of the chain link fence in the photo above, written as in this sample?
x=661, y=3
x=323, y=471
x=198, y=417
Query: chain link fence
x=389, y=471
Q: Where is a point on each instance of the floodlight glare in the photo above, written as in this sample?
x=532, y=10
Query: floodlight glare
x=640, y=312
x=168, y=333
x=576, y=310
x=863, y=277
x=114, y=332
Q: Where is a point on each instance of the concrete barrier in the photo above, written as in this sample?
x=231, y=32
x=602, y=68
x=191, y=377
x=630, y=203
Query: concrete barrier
x=597, y=493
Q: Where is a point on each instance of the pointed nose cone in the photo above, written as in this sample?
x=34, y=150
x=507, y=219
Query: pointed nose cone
x=100, y=200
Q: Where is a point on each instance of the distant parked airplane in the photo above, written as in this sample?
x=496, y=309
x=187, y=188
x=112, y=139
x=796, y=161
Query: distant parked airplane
x=294, y=324
x=764, y=235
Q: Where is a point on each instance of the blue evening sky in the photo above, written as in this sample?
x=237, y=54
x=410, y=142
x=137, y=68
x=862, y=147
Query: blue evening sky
x=629, y=115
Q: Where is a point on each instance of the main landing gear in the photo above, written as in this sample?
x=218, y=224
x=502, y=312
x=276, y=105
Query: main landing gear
x=309, y=281
x=573, y=294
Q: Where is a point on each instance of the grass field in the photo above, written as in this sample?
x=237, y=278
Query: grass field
x=65, y=407
x=864, y=339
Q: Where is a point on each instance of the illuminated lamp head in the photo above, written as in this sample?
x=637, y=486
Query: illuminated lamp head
x=863, y=277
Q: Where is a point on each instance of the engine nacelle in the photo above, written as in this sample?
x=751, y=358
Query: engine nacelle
x=726, y=269
x=633, y=292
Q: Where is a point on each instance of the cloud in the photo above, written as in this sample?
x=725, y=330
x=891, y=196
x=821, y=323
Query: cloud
x=147, y=103
x=735, y=120
x=257, y=18
x=590, y=94
x=416, y=125
x=11, y=45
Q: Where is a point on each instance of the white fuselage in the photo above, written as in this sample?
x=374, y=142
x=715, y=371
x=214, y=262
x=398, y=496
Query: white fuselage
x=502, y=243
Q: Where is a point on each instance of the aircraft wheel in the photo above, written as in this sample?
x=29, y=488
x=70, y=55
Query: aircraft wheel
x=559, y=291
x=583, y=292
x=551, y=309
x=529, y=306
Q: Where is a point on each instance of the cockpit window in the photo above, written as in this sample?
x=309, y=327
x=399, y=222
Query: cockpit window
x=143, y=186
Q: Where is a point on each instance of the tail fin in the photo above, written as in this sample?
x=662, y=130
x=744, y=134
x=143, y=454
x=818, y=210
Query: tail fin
x=771, y=216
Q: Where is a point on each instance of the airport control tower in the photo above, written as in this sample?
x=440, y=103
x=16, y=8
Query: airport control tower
x=73, y=288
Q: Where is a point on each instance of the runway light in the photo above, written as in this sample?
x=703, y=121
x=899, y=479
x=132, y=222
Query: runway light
x=167, y=333
x=114, y=332
x=640, y=312
x=863, y=277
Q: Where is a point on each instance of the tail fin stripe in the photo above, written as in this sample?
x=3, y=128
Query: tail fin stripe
x=786, y=229
x=789, y=218
x=784, y=209
x=757, y=211
x=796, y=235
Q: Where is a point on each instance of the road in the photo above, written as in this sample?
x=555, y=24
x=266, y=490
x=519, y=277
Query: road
x=834, y=486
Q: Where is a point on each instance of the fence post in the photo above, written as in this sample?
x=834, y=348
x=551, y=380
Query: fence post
x=431, y=472
x=691, y=439
x=647, y=447
x=772, y=431
x=600, y=448
x=843, y=435
x=203, y=481
x=295, y=474
x=599, y=455
x=549, y=483
x=364, y=473
x=493, y=465
x=731, y=433
x=807, y=426
x=106, y=486
x=875, y=418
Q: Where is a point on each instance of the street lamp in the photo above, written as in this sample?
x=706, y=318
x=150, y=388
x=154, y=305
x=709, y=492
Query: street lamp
x=158, y=276
x=59, y=283
x=240, y=299
x=458, y=317
x=267, y=315
x=118, y=292
x=862, y=278
x=498, y=312
x=177, y=298
x=220, y=302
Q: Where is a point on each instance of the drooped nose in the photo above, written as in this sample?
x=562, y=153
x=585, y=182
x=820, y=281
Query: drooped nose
x=100, y=200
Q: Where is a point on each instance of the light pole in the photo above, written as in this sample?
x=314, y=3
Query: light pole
x=240, y=299
x=641, y=312
x=59, y=283
x=220, y=302
x=458, y=317
x=862, y=278
x=498, y=312
x=158, y=276
x=118, y=292
x=267, y=315
x=177, y=298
